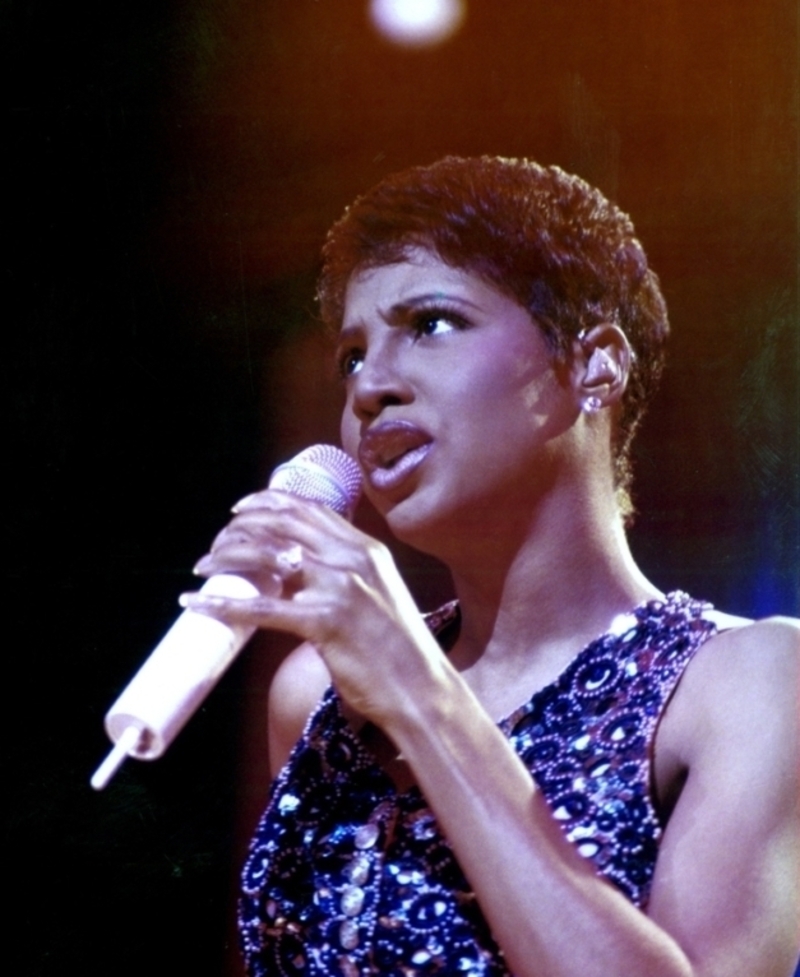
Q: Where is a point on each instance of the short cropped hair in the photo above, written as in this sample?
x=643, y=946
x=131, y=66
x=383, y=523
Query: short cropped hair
x=547, y=239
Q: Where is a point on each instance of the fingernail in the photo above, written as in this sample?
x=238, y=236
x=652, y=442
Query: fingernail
x=200, y=601
x=243, y=503
x=202, y=565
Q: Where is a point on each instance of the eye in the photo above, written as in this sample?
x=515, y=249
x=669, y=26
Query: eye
x=349, y=362
x=437, y=322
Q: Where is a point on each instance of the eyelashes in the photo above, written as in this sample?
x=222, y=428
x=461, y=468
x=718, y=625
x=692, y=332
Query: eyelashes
x=436, y=320
x=425, y=322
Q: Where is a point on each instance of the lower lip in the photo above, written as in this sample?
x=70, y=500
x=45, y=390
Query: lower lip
x=388, y=479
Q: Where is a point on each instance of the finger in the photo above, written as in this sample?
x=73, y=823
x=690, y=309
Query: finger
x=265, y=499
x=282, y=561
x=247, y=548
x=262, y=499
x=277, y=529
x=273, y=613
x=260, y=528
x=272, y=504
x=243, y=536
x=238, y=558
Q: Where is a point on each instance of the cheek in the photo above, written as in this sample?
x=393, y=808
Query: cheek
x=349, y=431
x=517, y=383
x=538, y=396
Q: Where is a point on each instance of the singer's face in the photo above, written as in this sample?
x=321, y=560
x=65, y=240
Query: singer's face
x=454, y=405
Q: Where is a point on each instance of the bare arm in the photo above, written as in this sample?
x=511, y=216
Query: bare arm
x=728, y=876
x=550, y=913
x=724, y=902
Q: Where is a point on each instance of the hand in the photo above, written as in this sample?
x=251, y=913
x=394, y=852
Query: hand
x=339, y=589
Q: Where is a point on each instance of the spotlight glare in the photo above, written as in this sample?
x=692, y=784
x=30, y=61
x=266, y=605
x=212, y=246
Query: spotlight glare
x=417, y=23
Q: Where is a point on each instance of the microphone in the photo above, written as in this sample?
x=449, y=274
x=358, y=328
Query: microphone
x=193, y=655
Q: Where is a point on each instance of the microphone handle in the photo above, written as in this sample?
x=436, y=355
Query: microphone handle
x=174, y=681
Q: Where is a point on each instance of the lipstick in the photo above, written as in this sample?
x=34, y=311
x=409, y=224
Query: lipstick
x=390, y=452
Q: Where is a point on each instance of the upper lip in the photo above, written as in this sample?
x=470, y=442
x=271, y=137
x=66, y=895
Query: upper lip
x=381, y=446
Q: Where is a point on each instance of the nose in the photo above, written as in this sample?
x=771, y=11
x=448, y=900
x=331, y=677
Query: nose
x=379, y=384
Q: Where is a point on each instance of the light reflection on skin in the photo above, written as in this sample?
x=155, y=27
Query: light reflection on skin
x=534, y=392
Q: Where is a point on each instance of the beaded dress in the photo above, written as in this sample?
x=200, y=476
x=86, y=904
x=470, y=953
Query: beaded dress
x=349, y=876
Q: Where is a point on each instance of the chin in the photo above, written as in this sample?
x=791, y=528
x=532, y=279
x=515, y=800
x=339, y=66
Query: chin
x=408, y=519
x=429, y=528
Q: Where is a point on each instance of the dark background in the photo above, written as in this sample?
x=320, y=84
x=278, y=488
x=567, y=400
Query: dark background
x=174, y=166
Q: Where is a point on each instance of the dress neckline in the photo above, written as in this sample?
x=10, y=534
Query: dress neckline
x=622, y=625
x=443, y=618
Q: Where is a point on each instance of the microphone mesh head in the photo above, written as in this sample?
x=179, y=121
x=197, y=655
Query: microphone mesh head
x=321, y=473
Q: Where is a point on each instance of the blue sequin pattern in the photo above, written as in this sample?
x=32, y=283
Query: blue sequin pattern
x=348, y=876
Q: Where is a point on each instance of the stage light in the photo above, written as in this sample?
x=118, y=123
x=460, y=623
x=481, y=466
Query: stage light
x=417, y=23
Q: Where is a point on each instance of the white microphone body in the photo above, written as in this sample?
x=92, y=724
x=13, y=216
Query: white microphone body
x=183, y=668
x=196, y=651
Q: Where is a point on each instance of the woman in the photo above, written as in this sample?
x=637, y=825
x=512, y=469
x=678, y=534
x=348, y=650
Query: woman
x=565, y=772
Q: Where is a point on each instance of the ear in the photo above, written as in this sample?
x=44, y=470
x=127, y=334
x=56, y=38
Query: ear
x=601, y=366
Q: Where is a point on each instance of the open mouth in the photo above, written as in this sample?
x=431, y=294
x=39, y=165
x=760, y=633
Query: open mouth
x=391, y=451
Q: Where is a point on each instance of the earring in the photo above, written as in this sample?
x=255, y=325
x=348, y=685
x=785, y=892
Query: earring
x=591, y=405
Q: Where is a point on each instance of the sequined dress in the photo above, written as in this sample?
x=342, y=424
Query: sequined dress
x=348, y=876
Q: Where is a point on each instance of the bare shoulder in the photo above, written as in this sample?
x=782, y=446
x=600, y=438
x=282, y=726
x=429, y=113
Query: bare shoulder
x=759, y=653
x=744, y=679
x=297, y=687
x=748, y=671
x=778, y=629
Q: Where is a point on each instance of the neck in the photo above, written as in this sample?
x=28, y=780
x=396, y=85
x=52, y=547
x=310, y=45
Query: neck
x=544, y=592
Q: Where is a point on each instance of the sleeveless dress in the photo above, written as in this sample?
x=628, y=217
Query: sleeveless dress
x=348, y=876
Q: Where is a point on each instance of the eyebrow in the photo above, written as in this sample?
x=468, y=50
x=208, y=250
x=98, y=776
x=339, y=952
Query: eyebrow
x=427, y=298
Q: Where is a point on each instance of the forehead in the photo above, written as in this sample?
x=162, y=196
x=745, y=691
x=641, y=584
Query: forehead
x=421, y=277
